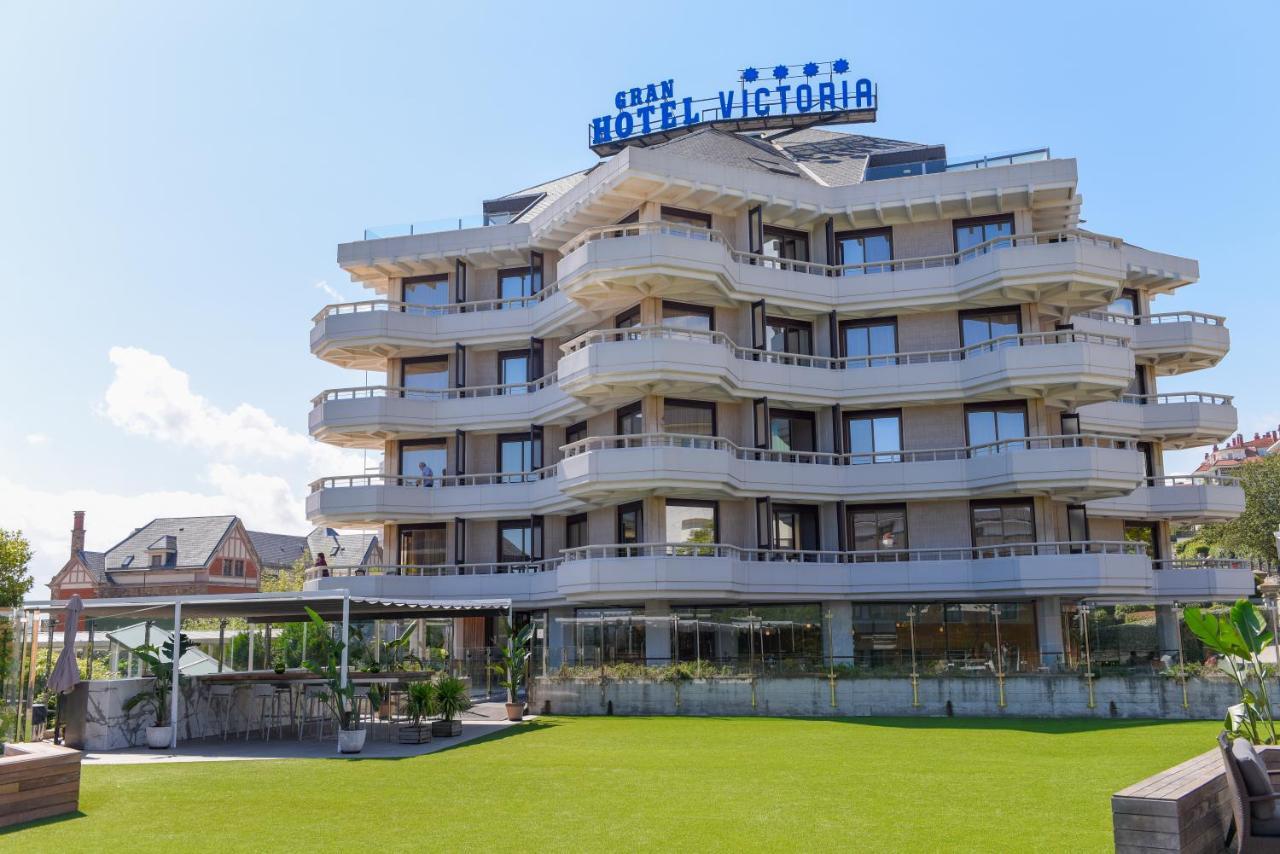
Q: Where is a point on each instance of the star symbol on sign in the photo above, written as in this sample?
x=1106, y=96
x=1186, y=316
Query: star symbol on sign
x=810, y=69
x=840, y=66
x=780, y=72
x=750, y=75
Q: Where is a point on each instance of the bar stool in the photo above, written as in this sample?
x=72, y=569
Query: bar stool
x=221, y=702
x=283, y=695
x=315, y=709
x=264, y=696
x=359, y=700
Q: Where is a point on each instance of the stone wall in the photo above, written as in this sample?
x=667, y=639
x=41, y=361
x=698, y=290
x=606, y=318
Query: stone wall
x=96, y=720
x=1053, y=696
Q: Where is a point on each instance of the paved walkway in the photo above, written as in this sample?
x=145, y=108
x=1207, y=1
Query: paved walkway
x=484, y=718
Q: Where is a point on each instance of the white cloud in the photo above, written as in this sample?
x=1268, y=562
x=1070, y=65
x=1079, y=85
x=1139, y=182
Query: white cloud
x=37, y=439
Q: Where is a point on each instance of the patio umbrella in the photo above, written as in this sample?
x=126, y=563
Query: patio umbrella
x=66, y=673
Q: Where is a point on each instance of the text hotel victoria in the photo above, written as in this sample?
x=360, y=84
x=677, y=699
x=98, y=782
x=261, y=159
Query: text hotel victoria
x=749, y=386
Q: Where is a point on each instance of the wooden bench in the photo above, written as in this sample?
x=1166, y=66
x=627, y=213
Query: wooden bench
x=38, y=780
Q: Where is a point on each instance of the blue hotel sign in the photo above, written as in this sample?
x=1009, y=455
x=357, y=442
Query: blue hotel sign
x=798, y=96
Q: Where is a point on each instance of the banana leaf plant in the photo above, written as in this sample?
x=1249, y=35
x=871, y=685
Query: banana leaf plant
x=160, y=663
x=1239, y=637
x=510, y=665
x=339, y=697
x=396, y=652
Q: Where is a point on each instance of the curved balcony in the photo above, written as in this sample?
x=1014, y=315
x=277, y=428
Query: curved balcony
x=526, y=583
x=1179, y=420
x=611, y=469
x=1070, y=270
x=370, y=500
x=366, y=416
x=1175, y=342
x=363, y=335
x=1066, y=368
x=1182, y=498
x=1206, y=580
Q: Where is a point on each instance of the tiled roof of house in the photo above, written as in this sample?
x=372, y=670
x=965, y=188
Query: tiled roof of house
x=278, y=550
x=552, y=189
x=344, y=549
x=195, y=537
x=95, y=562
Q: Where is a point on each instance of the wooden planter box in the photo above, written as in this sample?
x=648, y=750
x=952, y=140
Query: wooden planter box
x=38, y=780
x=411, y=734
x=446, y=729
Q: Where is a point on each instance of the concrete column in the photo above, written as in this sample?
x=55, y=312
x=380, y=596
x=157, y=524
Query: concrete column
x=1049, y=632
x=1167, y=631
x=657, y=633
x=560, y=646
x=650, y=212
x=837, y=632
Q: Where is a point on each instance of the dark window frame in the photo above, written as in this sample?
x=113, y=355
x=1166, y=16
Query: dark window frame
x=694, y=404
x=780, y=231
x=961, y=316
x=867, y=323
x=503, y=355
x=1002, y=502
x=861, y=234
x=568, y=431
x=405, y=444
x=524, y=270
x=707, y=311
x=866, y=414
x=503, y=438
x=970, y=222
x=684, y=213
x=401, y=530
x=435, y=278
x=803, y=415
x=622, y=320
x=799, y=508
x=506, y=524
x=851, y=509
x=570, y=522
x=635, y=407
x=998, y=406
x=695, y=502
x=789, y=323
x=638, y=507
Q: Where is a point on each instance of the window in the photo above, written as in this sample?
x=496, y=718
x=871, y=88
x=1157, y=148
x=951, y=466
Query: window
x=971, y=233
x=609, y=634
x=1138, y=385
x=1127, y=303
x=984, y=324
x=513, y=370
x=791, y=430
x=878, y=529
x=795, y=527
x=515, y=457
x=861, y=339
x=689, y=417
x=515, y=540
x=515, y=283
x=1002, y=523
x=695, y=522
x=873, y=437
x=698, y=318
x=1077, y=524
x=232, y=567
x=1144, y=532
x=630, y=420
x=427, y=291
x=575, y=432
x=784, y=335
x=158, y=560
x=741, y=633
x=631, y=523
x=576, y=531
x=628, y=318
x=423, y=459
x=785, y=243
x=988, y=423
x=680, y=216
x=864, y=247
x=426, y=377
x=1148, y=452
x=422, y=545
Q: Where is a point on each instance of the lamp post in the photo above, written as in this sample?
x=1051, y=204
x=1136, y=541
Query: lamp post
x=1083, y=611
x=915, y=675
x=995, y=610
x=1182, y=661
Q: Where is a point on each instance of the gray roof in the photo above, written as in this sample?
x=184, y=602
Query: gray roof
x=196, y=538
x=836, y=159
x=348, y=550
x=278, y=550
x=553, y=190
x=741, y=151
x=95, y=562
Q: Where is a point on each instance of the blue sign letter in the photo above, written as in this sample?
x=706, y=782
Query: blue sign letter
x=762, y=92
x=624, y=124
x=826, y=96
x=620, y=100
x=600, y=130
x=726, y=104
x=668, y=115
x=690, y=117
x=644, y=113
x=865, y=98
x=668, y=89
x=782, y=96
x=804, y=97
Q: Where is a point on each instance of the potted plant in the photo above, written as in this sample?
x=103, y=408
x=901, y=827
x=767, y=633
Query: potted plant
x=510, y=668
x=156, y=697
x=341, y=698
x=278, y=663
x=448, y=700
x=418, y=704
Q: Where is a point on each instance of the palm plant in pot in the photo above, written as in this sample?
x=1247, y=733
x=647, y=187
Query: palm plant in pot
x=156, y=697
x=448, y=700
x=419, y=701
x=341, y=698
x=510, y=668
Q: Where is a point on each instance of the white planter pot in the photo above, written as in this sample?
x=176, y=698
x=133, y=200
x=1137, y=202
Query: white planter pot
x=350, y=740
x=159, y=737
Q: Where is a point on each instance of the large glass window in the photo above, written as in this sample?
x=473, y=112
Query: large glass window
x=878, y=529
x=423, y=461
x=988, y=423
x=422, y=545
x=873, y=437
x=951, y=637
x=692, y=522
x=576, y=531
x=427, y=291
x=1002, y=523
x=1126, y=303
x=741, y=636
x=985, y=324
x=630, y=420
x=426, y=377
x=609, y=635
x=690, y=417
x=513, y=370
x=631, y=523
x=791, y=430
x=864, y=338
x=680, y=216
x=784, y=335
x=698, y=318
x=795, y=527
x=864, y=247
x=515, y=540
x=1144, y=532
x=515, y=456
x=786, y=243
x=628, y=318
x=575, y=432
x=970, y=233
x=515, y=282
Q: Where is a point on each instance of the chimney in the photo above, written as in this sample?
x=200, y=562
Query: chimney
x=77, y=532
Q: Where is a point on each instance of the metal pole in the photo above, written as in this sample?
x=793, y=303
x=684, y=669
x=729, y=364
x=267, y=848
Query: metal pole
x=1182, y=662
x=48, y=650
x=999, y=656
x=88, y=660
x=346, y=620
x=1088, y=662
x=915, y=675
x=177, y=658
x=251, y=636
x=222, y=643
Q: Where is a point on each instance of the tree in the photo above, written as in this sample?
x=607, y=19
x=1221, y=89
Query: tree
x=1252, y=534
x=15, y=580
x=286, y=580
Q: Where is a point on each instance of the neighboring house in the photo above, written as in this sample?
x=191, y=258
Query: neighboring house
x=343, y=551
x=1223, y=459
x=279, y=552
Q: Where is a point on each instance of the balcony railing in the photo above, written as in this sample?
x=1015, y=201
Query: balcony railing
x=408, y=229
x=364, y=306
x=721, y=550
x=1206, y=563
x=920, y=357
x=636, y=229
x=714, y=443
x=1155, y=319
x=1191, y=480
x=463, y=393
x=439, y=570
x=435, y=481
x=1202, y=397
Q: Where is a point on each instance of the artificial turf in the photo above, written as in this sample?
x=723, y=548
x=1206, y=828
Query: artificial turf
x=624, y=784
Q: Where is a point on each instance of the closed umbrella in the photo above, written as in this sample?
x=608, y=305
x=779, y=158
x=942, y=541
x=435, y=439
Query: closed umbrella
x=66, y=673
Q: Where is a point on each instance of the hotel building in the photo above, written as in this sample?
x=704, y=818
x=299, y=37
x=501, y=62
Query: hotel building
x=786, y=394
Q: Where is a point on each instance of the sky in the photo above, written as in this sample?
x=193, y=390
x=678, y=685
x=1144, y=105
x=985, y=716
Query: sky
x=175, y=178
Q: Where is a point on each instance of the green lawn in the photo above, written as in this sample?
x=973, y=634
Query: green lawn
x=651, y=783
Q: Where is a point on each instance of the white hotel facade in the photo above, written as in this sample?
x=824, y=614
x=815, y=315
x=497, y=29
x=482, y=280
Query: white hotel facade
x=827, y=387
